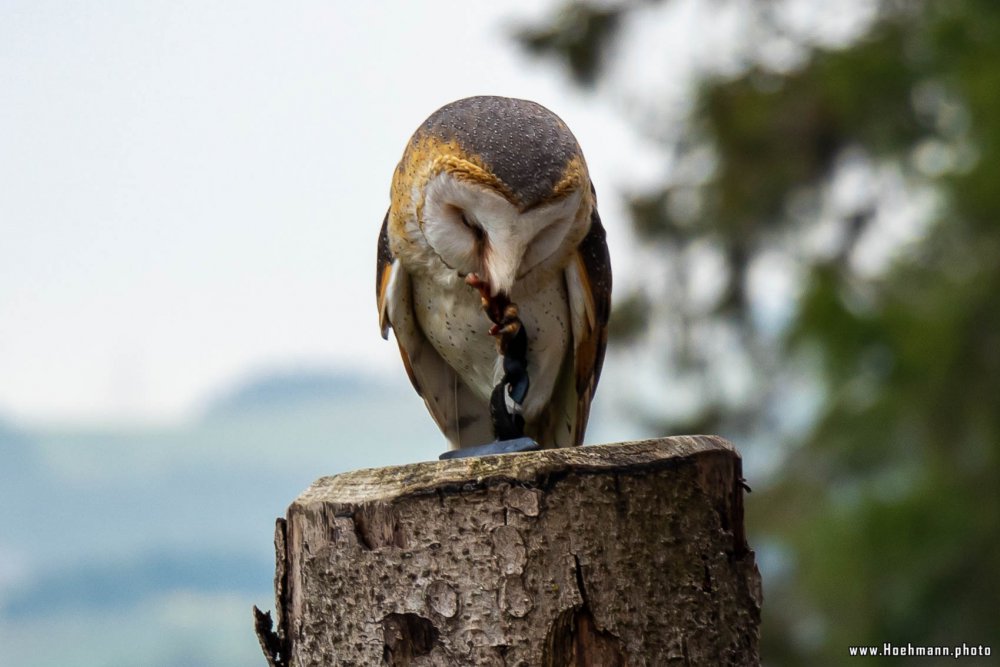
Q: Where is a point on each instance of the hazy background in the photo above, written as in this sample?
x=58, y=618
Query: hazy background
x=190, y=195
x=802, y=213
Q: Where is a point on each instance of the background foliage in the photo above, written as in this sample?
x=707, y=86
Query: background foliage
x=846, y=199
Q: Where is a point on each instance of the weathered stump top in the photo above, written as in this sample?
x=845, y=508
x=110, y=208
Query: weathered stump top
x=385, y=484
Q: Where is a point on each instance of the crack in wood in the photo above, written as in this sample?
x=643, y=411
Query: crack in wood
x=574, y=640
x=405, y=637
x=378, y=526
x=580, y=586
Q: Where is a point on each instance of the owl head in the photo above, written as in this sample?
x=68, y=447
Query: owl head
x=493, y=186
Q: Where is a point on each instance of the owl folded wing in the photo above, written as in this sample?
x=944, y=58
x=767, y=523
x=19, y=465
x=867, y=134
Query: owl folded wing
x=588, y=285
x=462, y=417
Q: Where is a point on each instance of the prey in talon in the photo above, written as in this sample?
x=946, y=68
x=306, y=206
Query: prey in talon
x=493, y=305
x=512, y=344
x=508, y=326
x=494, y=275
x=501, y=312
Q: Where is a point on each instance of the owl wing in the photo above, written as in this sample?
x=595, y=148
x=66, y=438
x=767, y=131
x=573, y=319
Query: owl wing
x=588, y=285
x=462, y=417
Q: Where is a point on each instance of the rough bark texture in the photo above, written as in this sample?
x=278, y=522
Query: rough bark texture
x=627, y=554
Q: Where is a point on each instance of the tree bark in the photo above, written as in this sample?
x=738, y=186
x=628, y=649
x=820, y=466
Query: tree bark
x=628, y=554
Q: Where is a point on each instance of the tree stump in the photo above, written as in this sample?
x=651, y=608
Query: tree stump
x=626, y=554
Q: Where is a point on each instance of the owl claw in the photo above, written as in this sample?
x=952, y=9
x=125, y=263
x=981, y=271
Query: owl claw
x=495, y=306
x=473, y=280
x=499, y=309
x=507, y=327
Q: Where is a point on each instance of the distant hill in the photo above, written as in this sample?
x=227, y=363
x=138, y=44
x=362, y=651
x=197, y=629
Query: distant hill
x=289, y=388
x=18, y=456
x=126, y=582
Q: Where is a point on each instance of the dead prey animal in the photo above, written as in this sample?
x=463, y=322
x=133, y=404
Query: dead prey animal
x=512, y=345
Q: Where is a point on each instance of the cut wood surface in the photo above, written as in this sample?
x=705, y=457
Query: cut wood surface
x=625, y=554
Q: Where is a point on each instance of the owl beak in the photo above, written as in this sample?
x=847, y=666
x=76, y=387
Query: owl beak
x=502, y=254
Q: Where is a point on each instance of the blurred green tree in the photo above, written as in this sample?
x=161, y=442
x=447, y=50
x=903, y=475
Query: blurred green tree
x=847, y=200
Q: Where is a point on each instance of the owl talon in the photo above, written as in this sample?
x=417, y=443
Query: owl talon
x=474, y=281
x=496, y=307
x=507, y=331
x=508, y=327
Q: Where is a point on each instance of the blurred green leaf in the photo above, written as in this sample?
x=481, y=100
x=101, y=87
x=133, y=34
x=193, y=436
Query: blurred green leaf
x=578, y=35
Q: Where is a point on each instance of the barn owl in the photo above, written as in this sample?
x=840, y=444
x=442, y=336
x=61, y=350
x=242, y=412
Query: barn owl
x=492, y=203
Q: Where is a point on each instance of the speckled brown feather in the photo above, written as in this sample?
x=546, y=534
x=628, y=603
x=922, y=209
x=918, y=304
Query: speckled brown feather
x=383, y=273
x=521, y=143
x=596, y=263
x=383, y=262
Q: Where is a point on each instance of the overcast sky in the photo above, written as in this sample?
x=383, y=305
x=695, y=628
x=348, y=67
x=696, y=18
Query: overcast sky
x=191, y=191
